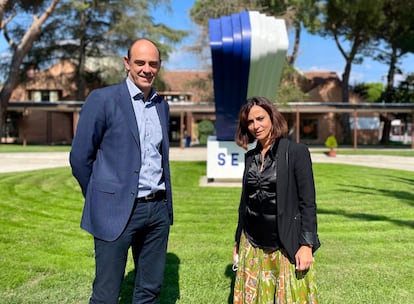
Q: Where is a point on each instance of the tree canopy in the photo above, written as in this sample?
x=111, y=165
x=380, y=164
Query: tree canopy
x=40, y=32
x=27, y=35
x=294, y=12
x=396, y=36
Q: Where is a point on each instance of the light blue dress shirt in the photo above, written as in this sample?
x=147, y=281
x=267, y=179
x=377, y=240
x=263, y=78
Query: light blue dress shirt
x=150, y=136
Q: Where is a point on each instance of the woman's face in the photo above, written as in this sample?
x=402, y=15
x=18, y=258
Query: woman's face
x=259, y=124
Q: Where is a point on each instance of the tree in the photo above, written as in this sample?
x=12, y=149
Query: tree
x=352, y=24
x=371, y=92
x=78, y=30
x=294, y=12
x=103, y=28
x=205, y=129
x=395, y=38
x=404, y=93
x=40, y=12
x=396, y=35
x=289, y=90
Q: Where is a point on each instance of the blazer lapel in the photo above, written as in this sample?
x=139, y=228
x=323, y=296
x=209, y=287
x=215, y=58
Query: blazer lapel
x=128, y=110
x=282, y=167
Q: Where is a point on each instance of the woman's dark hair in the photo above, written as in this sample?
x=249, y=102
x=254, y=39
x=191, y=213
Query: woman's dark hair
x=279, y=123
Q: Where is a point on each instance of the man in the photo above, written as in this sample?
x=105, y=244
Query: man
x=120, y=157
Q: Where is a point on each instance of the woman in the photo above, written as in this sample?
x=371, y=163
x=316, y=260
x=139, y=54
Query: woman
x=276, y=234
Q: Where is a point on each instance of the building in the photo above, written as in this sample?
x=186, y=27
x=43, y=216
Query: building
x=190, y=95
x=43, y=109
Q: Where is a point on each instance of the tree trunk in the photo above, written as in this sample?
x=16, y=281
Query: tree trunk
x=349, y=58
x=385, y=138
x=295, y=50
x=346, y=129
x=20, y=52
x=391, y=71
x=80, y=70
x=389, y=97
x=5, y=94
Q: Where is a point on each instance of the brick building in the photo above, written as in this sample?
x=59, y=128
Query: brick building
x=43, y=109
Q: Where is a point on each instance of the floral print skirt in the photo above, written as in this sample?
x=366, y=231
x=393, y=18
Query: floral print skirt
x=269, y=278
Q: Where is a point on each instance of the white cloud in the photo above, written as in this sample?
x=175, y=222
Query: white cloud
x=180, y=60
x=5, y=55
x=356, y=77
x=368, y=66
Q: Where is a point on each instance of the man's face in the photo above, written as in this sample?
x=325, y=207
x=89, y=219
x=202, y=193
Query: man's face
x=143, y=65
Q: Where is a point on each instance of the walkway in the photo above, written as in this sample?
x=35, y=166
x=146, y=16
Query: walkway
x=16, y=162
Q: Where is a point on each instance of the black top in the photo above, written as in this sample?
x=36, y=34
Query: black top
x=295, y=196
x=261, y=207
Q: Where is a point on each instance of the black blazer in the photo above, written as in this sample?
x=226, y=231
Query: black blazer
x=296, y=203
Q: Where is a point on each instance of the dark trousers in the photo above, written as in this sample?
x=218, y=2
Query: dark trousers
x=147, y=233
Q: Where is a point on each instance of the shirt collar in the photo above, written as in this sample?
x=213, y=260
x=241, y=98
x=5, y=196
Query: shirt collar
x=272, y=151
x=137, y=94
x=133, y=90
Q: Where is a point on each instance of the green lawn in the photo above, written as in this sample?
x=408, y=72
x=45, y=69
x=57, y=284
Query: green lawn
x=33, y=148
x=401, y=150
x=366, y=226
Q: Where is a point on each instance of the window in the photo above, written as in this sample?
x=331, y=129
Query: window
x=11, y=128
x=177, y=97
x=44, y=95
x=309, y=129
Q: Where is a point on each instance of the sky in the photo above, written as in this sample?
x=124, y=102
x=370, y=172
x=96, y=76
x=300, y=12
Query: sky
x=315, y=53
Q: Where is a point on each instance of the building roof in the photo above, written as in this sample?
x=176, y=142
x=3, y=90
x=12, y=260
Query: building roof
x=325, y=86
x=321, y=76
x=60, y=76
x=197, y=84
x=193, y=86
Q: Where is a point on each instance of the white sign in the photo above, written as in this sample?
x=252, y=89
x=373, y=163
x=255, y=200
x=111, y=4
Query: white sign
x=225, y=160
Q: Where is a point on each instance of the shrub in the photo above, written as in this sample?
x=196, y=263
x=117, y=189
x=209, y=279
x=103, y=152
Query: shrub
x=331, y=142
x=205, y=129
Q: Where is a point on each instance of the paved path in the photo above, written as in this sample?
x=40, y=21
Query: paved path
x=376, y=161
x=15, y=162
x=26, y=161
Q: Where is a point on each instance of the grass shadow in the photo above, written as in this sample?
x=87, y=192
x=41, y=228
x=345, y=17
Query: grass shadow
x=404, y=196
x=229, y=273
x=366, y=217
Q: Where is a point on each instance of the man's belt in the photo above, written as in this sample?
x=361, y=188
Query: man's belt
x=152, y=197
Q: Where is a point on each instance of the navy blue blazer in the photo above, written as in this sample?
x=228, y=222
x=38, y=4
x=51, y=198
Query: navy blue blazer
x=106, y=159
x=295, y=195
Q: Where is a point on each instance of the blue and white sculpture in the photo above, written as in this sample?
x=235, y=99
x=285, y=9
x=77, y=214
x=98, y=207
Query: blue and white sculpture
x=248, y=53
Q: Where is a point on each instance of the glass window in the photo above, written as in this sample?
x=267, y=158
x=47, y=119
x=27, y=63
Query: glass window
x=44, y=96
x=309, y=129
x=36, y=96
x=53, y=96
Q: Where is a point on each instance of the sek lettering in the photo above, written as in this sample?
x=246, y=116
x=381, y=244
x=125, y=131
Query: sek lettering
x=224, y=159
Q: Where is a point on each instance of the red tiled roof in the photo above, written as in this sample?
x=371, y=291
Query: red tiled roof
x=198, y=84
x=181, y=81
